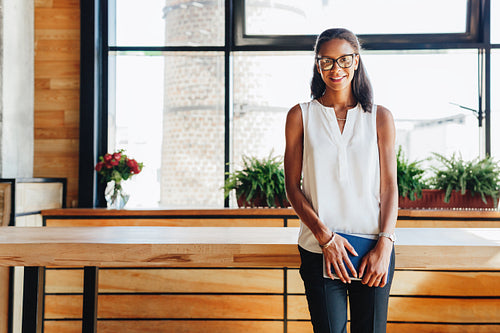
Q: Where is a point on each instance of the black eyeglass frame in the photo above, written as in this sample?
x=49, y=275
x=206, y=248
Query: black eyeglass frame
x=337, y=61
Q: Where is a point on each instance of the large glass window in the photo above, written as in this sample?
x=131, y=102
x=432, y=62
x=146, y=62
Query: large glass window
x=297, y=17
x=167, y=83
x=166, y=22
x=430, y=94
x=266, y=86
x=495, y=21
x=169, y=115
x=135, y=113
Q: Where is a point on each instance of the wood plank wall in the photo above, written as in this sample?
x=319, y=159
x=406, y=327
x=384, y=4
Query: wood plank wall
x=57, y=84
x=254, y=300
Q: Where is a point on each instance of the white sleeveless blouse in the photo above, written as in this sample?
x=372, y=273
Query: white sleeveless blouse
x=341, y=171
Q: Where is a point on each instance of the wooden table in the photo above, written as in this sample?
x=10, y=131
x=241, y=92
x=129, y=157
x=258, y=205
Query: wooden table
x=93, y=247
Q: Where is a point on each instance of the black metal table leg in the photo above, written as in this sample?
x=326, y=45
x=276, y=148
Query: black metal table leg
x=33, y=299
x=90, y=291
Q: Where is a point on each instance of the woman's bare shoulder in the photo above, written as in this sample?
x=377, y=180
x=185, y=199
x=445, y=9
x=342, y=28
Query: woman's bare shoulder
x=385, y=124
x=384, y=116
x=295, y=114
x=296, y=109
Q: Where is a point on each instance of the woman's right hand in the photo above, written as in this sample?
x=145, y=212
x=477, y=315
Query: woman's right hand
x=336, y=256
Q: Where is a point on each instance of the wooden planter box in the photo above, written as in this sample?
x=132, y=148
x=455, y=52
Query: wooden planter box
x=435, y=199
x=260, y=202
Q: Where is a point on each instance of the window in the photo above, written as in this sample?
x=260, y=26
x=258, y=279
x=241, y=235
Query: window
x=495, y=104
x=285, y=17
x=381, y=24
x=135, y=114
x=430, y=94
x=189, y=95
x=266, y=86
x=495, y=22
x=166, y=23
x=167, y=108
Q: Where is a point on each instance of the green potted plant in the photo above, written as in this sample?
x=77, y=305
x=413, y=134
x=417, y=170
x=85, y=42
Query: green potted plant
x=260, y=183
x=467, y=184
x=411, y=181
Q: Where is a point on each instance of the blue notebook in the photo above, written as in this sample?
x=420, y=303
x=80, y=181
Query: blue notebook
x=362, y=246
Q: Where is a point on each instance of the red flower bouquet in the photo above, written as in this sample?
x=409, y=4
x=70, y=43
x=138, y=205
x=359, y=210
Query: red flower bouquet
x=114, y=168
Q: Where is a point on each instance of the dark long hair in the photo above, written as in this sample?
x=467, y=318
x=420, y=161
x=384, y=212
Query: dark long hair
x=361, y=86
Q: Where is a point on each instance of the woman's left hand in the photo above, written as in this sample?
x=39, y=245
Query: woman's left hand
x=374, y=267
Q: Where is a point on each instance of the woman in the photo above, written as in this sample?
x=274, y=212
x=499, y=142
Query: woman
x=343, y=147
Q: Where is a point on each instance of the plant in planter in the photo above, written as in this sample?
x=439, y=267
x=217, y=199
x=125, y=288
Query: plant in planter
x=260, y=183
x=478, y=177
x=410, y=177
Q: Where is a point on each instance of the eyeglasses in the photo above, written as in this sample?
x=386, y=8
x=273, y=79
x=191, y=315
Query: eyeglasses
x=344, y=61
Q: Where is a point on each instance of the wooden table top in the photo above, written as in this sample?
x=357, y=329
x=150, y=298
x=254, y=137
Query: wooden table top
x=433, y=248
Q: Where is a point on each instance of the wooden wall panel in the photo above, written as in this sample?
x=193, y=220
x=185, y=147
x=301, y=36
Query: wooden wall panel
x=67, y=326
x=439, y=310
x=57, y=69
x=300, y=327
x=60, y=99
x=190, y=326
x=247, y=326
x=428, y=283
x=184, y=326
x=43, y=3
x=293, y=223
x=66, y=3
x=57, y=77
x=169, y=306
x=424, y=310
x=297, y=307
x=63, y=306
x=191, y=281
x=63, y=281
x=55, y=17
x=169, y=281
x=440, y=328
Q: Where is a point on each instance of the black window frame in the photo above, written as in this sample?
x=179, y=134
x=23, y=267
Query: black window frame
x=471, y=38
x=94, y=72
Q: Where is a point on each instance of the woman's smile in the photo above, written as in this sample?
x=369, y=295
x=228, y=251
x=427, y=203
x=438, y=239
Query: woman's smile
x=337, y=79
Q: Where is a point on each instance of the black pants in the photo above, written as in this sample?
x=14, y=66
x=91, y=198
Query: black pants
x=327, y=299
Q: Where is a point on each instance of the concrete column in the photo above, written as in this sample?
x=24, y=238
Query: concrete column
x=16, y=88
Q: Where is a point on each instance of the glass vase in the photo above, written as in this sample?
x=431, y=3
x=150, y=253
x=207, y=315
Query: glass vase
x=116, y=198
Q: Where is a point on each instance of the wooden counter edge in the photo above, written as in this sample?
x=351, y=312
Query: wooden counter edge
x=280, y=212
x=95, y=212
x=277, y=256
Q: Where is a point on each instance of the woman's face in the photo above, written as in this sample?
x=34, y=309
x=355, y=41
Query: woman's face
x=339, y=53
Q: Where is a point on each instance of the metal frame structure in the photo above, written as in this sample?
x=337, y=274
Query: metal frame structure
x=94, y=72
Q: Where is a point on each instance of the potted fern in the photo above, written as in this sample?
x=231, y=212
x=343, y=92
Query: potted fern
x=410, y=181
x=467, y=184
x=260, y=183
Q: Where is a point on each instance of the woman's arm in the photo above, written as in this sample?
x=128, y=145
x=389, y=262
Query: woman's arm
x=336, y=253
x=294, y=134
x=374, y=267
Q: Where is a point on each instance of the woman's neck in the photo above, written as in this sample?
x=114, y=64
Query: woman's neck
x=338, y=100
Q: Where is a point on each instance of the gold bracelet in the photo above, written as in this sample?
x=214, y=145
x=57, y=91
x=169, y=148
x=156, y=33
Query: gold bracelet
x=327, y=244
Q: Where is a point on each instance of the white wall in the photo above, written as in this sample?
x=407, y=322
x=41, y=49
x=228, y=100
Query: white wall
x=16, y=88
